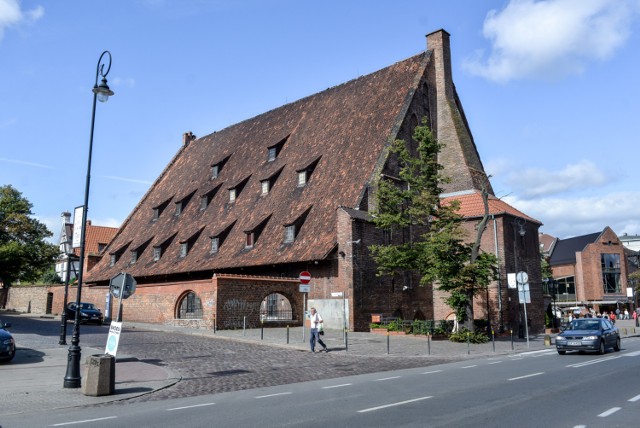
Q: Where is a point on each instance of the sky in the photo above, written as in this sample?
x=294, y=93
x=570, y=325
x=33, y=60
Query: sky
x=549, y=88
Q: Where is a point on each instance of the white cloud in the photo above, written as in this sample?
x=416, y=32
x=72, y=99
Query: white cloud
x=11, y=15
x=565, y=217
x=535, y=182
x=551, y=38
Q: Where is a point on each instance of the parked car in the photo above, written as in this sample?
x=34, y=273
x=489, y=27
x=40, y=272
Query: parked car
x=7, y=343
x=588, y=334
x=88, y=313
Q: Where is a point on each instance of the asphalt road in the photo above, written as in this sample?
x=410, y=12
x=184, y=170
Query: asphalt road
x=537, y=389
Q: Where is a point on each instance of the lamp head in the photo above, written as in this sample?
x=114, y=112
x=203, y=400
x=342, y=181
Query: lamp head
x=102, y=91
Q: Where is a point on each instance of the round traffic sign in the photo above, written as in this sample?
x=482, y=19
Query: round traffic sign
x=305, y=277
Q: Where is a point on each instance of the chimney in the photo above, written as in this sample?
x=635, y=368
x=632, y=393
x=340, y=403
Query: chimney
x=439, y=43
x=187, y=137
x=66, y=218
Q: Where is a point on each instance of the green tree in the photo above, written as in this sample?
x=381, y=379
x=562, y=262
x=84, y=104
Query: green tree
x=441, y=254
x=24, y=253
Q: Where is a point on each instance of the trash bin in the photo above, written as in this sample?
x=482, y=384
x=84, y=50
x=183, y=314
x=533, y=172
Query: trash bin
x=101, y=375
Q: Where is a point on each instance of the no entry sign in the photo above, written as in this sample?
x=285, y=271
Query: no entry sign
x=305, y=277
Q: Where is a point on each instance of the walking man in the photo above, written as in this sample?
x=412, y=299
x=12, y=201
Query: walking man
x=316, y=325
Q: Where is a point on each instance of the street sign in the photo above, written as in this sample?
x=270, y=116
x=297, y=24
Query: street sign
x=511, y=280
x=305, y=288
x=113, y=338
x=305, y=277
x=524, y=296
x=336, y=294
x=120, y=281
x=522, y=277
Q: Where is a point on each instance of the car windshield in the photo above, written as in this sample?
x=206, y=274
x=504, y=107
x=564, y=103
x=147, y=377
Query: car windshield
x=87, y=306
x=585, y=325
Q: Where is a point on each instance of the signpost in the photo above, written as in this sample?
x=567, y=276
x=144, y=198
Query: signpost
x=305, y=287
x=524, y=297
x=121, y=286
x=114, y=338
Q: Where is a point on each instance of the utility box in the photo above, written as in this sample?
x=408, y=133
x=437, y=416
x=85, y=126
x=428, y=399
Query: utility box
x=101, y=375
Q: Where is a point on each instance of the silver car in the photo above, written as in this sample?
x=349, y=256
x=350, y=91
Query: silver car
x=589, y=334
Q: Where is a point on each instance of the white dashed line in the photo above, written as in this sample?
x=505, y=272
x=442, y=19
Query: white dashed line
x=336, y=386
x=634, y=399
x=609, y=412
x=526, y=376
x=273, y=395
x=392, y=404
x=432, y=371
x=588, y=363
x=387, y=378
x=190, y=407
x=468, y=367
x=84, y=422
x=495, y=362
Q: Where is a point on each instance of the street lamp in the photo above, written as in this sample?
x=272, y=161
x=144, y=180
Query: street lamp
x=102, y=93
x=70, y=257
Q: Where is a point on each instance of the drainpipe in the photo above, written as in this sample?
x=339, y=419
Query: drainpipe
x=495, y=240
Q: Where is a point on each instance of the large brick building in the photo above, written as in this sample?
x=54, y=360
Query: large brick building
x=234, y=218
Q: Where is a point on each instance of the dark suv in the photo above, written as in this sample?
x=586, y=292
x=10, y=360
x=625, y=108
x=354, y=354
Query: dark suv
x=88, y=313
x=588, y=334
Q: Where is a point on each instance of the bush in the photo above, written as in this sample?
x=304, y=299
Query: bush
x=473, y=337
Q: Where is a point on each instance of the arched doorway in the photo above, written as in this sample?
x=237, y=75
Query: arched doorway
x=189, y=306
x=275, y=307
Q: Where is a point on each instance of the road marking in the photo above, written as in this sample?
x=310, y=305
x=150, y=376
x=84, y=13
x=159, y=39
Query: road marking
x=588, y=363
x=336, y=386
x=190, y=407
x=636, y=398
x=541, y=351
x=495, y=362
x=432, y=371
x=632, y=354
x=609, y=412
x=468, y=367
x=84, y=422
x=526, y=376
x=387, y=378
x=273, y=395
x=393, y=404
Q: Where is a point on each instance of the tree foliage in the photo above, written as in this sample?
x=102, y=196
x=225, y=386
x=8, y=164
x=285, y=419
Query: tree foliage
x=441, y=254
x=24, y=253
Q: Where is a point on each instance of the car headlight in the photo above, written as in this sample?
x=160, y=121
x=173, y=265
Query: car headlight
x=82, y=314
x=561, y=339
x=590, y=338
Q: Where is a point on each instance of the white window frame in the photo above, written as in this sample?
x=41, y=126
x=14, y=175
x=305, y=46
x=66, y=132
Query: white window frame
x=184, y=249
x=302, y=178
x=264, y=184
x=272, y=153
x=157, y=253
x=215, y=170
x=232, y=195
x=112, y=260
x=134, y=257
x=178, y=208
x=289, y=233
x=215, y=245
x=204, y=202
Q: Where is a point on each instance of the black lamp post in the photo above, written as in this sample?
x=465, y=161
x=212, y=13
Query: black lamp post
x=101, y=93
x=553, y=289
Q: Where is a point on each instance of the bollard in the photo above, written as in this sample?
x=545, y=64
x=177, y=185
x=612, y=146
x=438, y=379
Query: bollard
x=493, y=339
x=468, y=345
x=261, y=330
x=101, y=375
x=244, y=325
x=428, y=344
x=287, y=335
x=214, y=325
x=346, y=340
x=547, y=340
x=387, y=342
x=511, y=339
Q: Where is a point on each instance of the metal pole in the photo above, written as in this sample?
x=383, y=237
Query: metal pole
x=346, y=340
x=72, y=377
x=287, y=334
x=63, y=317
x=511, y=339
x=387, y=342
x=244, y=325
x=261, y=330
x=493, y=339
x=304, y=313
x=526, y=321
x=428, y=344
x=344, y=319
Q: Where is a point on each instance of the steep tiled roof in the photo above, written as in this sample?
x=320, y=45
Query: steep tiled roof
x=96, y=235
x=340, y=134
x=471, y=205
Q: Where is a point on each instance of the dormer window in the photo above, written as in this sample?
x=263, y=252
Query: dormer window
x=157, y=253
x=156, y=214
x=157, y=210
x=232, y=195
x=302, y=178
x=265, y=186
x=215, y=244
x=304, y=174
x=206, y=199
x=113, y=260
x=204, y=203
x=215, y=170
x=289, y=233
x=234, y=191
x=249, y=239
x=272, y=154
x=134, y=257
x=184, y=249
x=178, y=208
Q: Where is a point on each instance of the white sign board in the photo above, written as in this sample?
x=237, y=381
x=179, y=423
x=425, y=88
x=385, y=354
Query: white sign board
x=523, y=293
x=113, y=339
x=77, y=226
x=511, y=280
x=629, y=291
x=336, y=294
x=305, y=288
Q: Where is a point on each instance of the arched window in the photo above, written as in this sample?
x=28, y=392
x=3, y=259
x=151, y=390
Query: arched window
x=190, y=307
x=275, y=307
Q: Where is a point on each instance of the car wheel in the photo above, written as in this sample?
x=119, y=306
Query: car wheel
x=602, y=349
x=617, y=346
x=562, y=352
